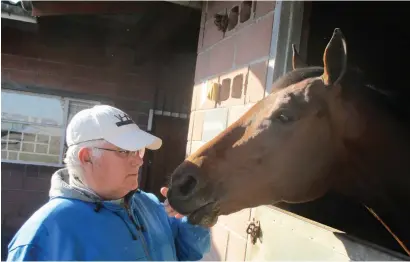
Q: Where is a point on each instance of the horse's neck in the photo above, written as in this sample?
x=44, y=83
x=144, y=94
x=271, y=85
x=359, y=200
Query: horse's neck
x=378, y=173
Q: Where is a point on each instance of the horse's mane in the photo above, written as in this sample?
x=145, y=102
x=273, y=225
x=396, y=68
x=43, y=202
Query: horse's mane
x=296, y=76
x=354, y=83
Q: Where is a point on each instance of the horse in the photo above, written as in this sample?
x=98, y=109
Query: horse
x=320, y=129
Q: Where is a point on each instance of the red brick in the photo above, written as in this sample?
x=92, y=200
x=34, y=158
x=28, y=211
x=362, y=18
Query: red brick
x=79, y=85
x=36, y=184
x=19, y=76
x=110, y=76
x=14, y=222
x=45, y=172
x=9, y=207
x=20, y=196
x=32, y=170
x=27, y=209
x=211, y=34
x=264, y=7
x=11, y=180
x=136, y=86
x=46, y=67
x=256, y=82
x=90, y=73
x=13, y=62
x=127, y=104
x=50, y=81
x=253, y=42
x=87, y=86
x=10, y=168
x=222, y=56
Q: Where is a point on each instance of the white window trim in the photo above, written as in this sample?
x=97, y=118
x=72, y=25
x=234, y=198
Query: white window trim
x=66, y=101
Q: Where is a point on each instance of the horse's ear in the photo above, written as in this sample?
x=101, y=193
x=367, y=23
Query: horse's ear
x=297, y=61
x=335, y=59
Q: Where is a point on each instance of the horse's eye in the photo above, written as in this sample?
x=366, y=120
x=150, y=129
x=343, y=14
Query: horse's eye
x=284, y=118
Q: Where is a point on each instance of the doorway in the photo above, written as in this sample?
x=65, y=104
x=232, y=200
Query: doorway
x=161, y=163
x=377, y=43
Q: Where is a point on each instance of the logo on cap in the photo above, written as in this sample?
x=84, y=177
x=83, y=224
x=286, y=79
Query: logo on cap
x=124, y=120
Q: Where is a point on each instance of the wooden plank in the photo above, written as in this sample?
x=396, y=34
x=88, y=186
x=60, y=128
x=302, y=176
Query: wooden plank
x=51, y=8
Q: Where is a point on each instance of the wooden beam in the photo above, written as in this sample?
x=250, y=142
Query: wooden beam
x=160, y=31
x=53, y=8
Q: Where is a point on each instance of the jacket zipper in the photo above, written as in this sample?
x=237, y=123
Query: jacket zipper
x=144, y=244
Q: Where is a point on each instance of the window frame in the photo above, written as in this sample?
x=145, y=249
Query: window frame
x=66, y=100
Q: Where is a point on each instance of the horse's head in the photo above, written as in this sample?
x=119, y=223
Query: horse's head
x=283, y=149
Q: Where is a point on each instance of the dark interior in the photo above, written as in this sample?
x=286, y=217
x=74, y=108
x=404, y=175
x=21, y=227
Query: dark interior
x=377, y=42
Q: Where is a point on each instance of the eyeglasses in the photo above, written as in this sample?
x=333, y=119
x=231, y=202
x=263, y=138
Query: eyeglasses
x=126, y=153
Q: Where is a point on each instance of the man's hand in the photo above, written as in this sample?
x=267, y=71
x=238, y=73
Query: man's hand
x=170, y=211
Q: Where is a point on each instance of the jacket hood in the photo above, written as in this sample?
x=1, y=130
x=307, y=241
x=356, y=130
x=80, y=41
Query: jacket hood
x=64, y=185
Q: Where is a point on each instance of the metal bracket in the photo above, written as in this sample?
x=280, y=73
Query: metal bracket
x=254, y=230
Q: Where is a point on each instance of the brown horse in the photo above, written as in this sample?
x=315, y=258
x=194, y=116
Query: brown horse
x=321, y=129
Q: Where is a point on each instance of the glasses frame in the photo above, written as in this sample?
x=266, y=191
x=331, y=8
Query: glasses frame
x=125, y=153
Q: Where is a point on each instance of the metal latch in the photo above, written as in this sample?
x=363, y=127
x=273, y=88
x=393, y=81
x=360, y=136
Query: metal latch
x=254, y=230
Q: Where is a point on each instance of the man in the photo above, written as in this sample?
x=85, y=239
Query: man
x=95, y=211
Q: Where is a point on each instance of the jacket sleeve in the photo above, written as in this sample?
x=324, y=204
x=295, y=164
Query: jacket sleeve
x=191, y=241
x=28, y=252
x=40, y=244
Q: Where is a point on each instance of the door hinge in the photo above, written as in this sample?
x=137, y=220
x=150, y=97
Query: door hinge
x=255, y=231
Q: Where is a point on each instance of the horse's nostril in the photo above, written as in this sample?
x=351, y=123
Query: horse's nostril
x=188, y=186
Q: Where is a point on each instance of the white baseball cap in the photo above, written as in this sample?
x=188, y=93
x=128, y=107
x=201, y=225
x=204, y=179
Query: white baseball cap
x=111, y=124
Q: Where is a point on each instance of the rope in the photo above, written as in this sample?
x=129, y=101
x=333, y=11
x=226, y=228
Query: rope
x=390, y=231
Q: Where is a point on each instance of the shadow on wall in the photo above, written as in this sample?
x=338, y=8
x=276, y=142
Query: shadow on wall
x=376, y=254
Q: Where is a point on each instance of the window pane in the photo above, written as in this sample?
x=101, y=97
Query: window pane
x=31, y=108
x=28, y=142
x=31, y=127
x=76, y=106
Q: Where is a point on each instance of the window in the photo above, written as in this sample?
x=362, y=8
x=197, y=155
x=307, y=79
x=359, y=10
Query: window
x=33, y=126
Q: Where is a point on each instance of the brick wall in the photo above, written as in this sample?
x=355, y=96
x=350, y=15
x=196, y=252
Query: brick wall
x=236, y=60
x=24, y=189
x=90, y=61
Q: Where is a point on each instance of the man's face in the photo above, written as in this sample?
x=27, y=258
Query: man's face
x=114, y=173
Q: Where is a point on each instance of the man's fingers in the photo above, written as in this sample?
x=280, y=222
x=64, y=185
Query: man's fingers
x=179, y=215
x=170, y=211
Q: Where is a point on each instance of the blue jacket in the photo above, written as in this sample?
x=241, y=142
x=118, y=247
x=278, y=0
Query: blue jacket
x=74, y=226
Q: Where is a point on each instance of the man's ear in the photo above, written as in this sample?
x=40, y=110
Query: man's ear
x=84, y=155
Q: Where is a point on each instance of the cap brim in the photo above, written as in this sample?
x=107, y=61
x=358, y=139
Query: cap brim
x=135, y=140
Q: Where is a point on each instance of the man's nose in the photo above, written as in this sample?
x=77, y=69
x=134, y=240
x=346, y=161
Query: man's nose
x=136, y=160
